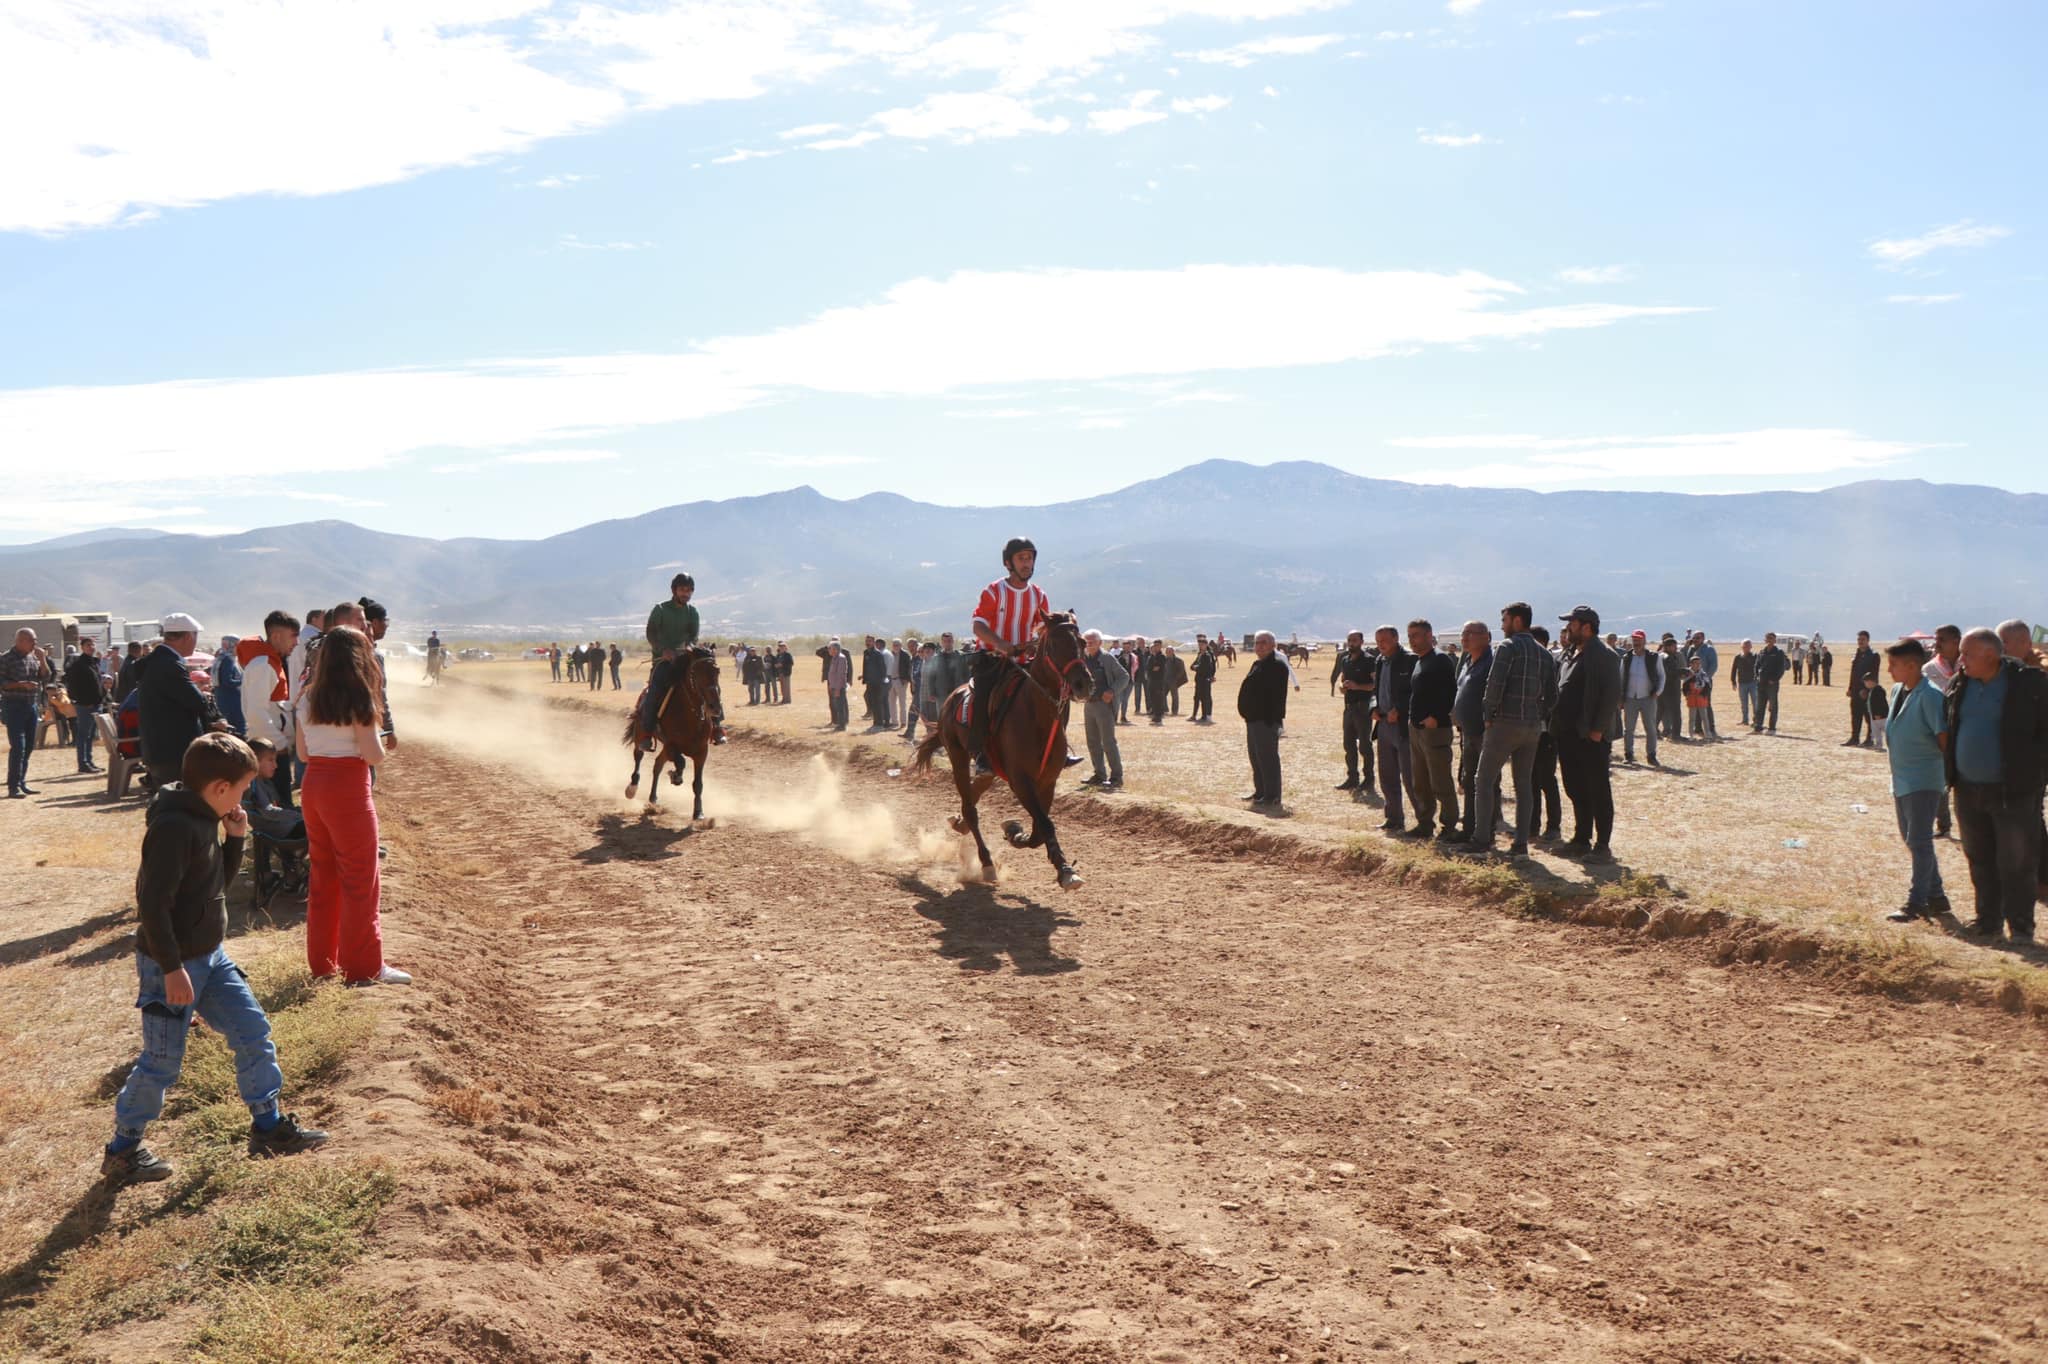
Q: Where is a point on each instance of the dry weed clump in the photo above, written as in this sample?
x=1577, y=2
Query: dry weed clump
x=296, y=1324
x=469, y=1106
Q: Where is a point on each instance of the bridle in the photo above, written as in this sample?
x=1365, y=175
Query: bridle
x=1063, y=671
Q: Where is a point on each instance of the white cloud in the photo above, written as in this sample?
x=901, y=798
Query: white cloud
x=782, y=461
x=1899, y=250
x=1282, y=45
x=1922, y=298
x=1101, y=424
x=1137, y=111
x=1201, y=104
x=1463, y=7
x=739, y=154
x=122, y=107
x=1453, y=139
x=961, y=334
x=834, y=144
x=1597, y=274
x=1270, y=93
x=560, y=457
x=555, y=181
x=967, y=117
x=1583, y=459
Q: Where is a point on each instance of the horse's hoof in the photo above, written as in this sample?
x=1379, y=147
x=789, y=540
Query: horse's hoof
x=1069, y=878
x=959, y=825
x=988, y=876
x=1014, y=831
x=632, y=789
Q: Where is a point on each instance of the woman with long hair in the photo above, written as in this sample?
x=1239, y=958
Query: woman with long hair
x=339, y=742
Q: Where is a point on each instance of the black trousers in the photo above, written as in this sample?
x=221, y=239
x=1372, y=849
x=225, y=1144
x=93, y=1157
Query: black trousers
x=1469, y=741
x=2002, y=839
x=1859, y=719
x=1549, y=800
x=1358, y=746
x=1589, y=786
x=878, y=703
x=1766, y=702
x=1205, y=702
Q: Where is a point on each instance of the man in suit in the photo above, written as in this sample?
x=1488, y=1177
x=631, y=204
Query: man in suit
x=1203, y=712
x=1155, y=682
x=1356, y=674
x=1396, y=670
x=874, y=682
x=1588, y=691
x=1862, y=672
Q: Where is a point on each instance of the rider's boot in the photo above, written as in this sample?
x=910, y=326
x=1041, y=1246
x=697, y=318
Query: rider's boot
x=977, y=735
x=718, y=726
x=647, y=721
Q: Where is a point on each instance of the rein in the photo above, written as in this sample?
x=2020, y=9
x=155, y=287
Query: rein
x=1060, y=702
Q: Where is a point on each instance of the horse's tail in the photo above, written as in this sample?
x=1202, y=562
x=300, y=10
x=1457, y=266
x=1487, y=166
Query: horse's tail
x=929, y=748
x=632, y=735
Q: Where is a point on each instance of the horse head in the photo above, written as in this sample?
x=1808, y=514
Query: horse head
x=1060, y=646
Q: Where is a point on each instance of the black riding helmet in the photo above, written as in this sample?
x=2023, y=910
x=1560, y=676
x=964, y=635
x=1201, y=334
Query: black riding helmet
x=1017, y=542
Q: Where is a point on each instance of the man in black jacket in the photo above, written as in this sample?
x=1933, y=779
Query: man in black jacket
x=1588, y=688
x=1997, y=758
x=1771, y=664
x=1203, y=712
x=1356, y=672
x=1862, y=671
x=1155, y=682
x=82, y=684
x=174, y=710
x=124, y=679
x=1262, y=702
x=1432, y=694
x=1390, y=723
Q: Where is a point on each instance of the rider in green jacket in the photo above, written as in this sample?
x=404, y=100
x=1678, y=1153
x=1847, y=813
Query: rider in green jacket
x=672, y=630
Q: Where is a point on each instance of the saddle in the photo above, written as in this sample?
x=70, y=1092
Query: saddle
x=1004, y=696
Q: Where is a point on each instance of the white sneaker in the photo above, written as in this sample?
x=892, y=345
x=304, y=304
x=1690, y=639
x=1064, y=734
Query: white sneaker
x=391, y=975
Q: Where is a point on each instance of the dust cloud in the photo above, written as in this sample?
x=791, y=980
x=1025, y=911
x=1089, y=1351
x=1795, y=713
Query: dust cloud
x=578, y=749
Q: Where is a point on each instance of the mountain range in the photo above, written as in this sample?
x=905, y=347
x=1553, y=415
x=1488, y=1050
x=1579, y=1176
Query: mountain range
x=1220, y=546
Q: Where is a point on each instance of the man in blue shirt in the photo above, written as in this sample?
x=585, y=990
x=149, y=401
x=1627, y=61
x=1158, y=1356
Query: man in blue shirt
x=1918, y=733
x=1997, y=719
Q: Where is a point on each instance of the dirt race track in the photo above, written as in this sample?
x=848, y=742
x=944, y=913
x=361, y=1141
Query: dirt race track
x=744, y=1094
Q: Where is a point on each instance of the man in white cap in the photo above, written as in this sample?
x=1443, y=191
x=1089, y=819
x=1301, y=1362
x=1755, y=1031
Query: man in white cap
x=174, y=710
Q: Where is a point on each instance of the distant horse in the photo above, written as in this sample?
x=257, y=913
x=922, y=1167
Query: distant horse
x=683, y=726
x=1027, y=742
x=1297, y=651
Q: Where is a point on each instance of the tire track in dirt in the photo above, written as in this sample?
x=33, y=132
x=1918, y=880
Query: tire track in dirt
x=811, y=1108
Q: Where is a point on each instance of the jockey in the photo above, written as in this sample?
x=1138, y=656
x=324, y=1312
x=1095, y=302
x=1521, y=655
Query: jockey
x=1009, y=614
x=671, y=630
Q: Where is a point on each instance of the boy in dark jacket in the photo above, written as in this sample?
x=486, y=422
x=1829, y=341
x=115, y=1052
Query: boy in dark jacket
x=190, y=852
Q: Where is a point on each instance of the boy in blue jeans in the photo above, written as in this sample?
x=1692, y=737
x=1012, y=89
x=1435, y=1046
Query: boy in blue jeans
x=190, y=853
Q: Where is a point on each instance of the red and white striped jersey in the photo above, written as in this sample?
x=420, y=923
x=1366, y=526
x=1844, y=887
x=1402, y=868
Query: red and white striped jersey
x=1013, y=614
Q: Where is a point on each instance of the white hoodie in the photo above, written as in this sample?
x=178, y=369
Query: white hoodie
x=263, y=717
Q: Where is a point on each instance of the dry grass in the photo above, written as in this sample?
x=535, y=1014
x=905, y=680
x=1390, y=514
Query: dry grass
x=296, y=1324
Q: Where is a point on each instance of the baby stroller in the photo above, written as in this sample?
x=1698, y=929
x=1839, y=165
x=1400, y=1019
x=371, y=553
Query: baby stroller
x=281, y=866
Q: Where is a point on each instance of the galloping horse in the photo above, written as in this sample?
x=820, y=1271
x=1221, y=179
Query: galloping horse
x=683, y=727
x=1027, y=742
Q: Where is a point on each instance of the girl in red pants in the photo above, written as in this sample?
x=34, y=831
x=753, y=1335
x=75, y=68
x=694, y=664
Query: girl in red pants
x=339, y=742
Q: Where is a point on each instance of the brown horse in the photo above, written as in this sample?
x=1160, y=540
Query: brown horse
x=1027, y=742
x=683, y=726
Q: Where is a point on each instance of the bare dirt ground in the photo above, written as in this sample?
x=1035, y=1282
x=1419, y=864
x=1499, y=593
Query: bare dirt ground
x=782, y=1088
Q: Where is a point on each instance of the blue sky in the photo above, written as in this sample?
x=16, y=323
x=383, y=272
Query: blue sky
x=494, y=267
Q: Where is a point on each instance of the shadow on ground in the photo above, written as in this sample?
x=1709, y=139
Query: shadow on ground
x=979, y=928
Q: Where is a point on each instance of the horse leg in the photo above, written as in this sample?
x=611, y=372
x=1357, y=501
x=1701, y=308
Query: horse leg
x=697, y=787
x=633, y=786
x=1037, y=802
x=662, y=755
x=969, y=820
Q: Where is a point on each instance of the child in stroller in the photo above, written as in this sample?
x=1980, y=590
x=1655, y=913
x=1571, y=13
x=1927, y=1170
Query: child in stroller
x=277, y=832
